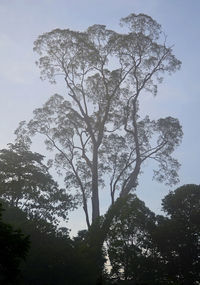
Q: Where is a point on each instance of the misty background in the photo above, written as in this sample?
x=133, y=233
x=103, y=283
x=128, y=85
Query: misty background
x=22, y=21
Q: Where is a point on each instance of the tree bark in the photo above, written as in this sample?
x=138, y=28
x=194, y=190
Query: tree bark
x=95, y=191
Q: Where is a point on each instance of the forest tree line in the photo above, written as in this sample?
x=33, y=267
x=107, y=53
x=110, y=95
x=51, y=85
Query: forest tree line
x=142, y=247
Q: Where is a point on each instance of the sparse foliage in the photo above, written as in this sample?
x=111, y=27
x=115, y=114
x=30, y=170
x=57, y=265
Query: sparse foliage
x=97, y=131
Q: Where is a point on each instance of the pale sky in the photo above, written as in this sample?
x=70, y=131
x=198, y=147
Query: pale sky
x=21, y=21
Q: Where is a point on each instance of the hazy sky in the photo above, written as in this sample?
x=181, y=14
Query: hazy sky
x=21, y=21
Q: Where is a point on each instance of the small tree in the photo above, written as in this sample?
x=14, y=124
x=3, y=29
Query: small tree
x=143, y=247
x=26, y=183
x=178, y=235
x=97, y=131
x=129, y=243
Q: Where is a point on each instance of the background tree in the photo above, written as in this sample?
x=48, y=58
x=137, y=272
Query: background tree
x=97, y=131
x=53, y=258
x=129, y=244
x=13, y=250
x=178, y=235
x=145, y=248
x=25, y=183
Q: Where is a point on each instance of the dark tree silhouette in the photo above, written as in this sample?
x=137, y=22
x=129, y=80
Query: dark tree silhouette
x=178, y=235
x=53, y=258
x=25, y=183
x=13, y=250
x=129, y=244
x=149, y=249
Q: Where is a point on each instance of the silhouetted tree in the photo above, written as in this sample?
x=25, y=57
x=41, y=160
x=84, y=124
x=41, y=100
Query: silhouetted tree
x=97, y=132
x=148, y=249
x=129, y=244
x=53, y=258
x=97, y=129
x=178, y=235
x=13, y=250
x=25, y=183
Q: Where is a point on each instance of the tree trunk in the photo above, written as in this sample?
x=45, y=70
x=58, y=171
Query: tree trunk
x=95, y=192
x=132, y=183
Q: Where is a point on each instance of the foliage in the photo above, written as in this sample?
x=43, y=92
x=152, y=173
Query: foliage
x=13, y=250
x=50, y=251
x=53, y=258
x=144, y=248
x=130, y=246
x=178, y=237
x=25, y=183
x=97, y=131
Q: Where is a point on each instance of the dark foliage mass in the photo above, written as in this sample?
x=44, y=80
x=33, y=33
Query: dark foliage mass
x=25, y=182
x=13, y=250
x=142, y=248
x=178, y=235
x=53, y=258
x=153, y=249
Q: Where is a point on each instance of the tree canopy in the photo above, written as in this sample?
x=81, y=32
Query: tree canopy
x=97, y=132
x=178, y=235
x=26, y=183
x=129, y=243
x=148, y=249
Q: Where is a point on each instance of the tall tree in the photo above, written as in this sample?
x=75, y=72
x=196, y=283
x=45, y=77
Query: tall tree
x=97, y=131
x=26, y=183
